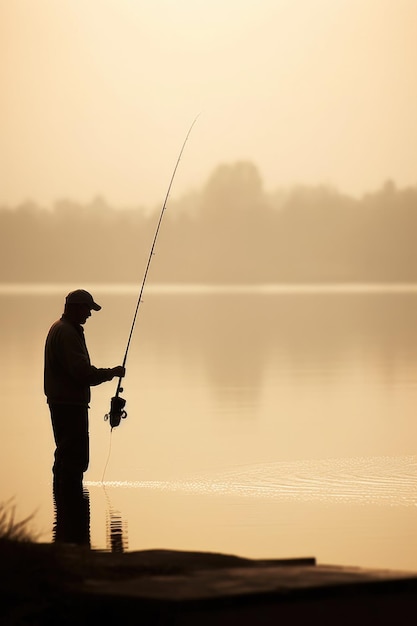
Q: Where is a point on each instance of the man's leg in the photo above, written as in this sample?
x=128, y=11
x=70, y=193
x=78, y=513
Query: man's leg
x=70, y=426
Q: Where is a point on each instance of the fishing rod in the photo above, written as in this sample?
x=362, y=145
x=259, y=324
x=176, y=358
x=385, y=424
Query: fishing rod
x=117, y=403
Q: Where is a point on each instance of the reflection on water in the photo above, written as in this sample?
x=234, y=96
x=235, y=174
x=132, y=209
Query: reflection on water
x=250, y=410
x=116, y=532
x=72, y=518
x=116, y=528
x=72, y=513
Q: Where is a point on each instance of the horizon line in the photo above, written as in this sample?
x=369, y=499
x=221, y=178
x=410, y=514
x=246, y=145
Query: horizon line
x=257, y=288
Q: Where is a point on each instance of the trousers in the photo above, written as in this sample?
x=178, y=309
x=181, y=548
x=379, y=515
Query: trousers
x=70, y=427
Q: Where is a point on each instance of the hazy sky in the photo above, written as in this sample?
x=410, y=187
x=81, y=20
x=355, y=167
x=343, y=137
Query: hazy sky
x=96, y=96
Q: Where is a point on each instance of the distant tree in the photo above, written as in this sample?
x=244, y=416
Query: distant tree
x=231, y=188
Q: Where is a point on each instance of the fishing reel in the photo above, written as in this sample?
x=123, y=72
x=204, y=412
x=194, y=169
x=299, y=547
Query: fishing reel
x=117, y=411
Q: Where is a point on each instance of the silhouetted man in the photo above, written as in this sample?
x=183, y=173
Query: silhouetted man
x=67, y=381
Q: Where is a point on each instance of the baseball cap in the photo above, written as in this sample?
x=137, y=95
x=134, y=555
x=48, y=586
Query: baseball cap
x=81, y=296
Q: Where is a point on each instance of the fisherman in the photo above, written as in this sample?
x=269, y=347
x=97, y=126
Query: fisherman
x=68, y=376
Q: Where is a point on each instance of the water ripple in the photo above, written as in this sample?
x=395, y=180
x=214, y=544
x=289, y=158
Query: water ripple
x=362, y=480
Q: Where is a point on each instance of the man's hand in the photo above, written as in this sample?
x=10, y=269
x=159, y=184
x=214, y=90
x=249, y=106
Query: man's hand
x=118, y=371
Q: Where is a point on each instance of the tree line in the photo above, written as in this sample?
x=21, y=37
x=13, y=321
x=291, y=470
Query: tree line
x=230, y=231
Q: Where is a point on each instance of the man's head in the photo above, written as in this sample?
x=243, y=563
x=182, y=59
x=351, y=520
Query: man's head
x=78, y=305
x=81, y=296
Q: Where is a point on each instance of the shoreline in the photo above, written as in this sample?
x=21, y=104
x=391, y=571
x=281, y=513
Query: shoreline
x=65, y=583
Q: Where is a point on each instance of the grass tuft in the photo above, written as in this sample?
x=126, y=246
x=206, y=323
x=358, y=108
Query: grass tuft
x=12, y=530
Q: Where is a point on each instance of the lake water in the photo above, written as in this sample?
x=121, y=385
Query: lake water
x=265, y=422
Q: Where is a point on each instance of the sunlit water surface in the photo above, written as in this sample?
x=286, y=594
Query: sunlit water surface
x=271, y=422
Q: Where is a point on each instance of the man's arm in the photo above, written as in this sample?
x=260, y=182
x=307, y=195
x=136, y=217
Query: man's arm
x=78, y=365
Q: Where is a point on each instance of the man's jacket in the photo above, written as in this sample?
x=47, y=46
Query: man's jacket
x=68, y=373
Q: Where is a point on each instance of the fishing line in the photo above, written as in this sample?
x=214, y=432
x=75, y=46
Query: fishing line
x=108, y=458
